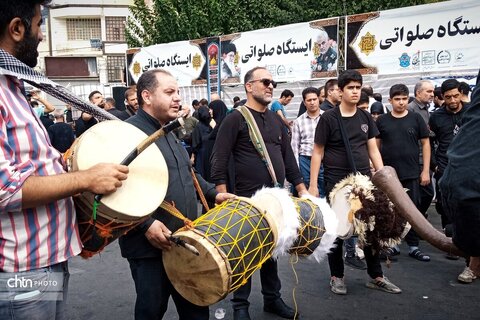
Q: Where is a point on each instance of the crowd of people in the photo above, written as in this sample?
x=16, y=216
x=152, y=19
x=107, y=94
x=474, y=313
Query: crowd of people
x=342, y=128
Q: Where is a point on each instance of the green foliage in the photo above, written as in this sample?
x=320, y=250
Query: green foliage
x=176, y=20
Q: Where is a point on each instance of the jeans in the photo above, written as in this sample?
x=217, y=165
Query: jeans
x=38, y=294
x=271, y=286
x=304, y=166
x=153, y=290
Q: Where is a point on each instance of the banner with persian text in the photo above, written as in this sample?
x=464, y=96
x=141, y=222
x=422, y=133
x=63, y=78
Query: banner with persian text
x=291, y=53
x=435, y=37
x=184, y=60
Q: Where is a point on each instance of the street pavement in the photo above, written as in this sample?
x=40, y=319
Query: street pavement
x=102, y=288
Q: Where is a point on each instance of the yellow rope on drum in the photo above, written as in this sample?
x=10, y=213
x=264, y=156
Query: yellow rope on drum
x=251, y=243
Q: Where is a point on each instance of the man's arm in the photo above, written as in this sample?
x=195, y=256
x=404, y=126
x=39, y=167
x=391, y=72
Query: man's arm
x=102, y=178
x=316, y=161
x=425, y=175
x=285, y=120
x=374, y=154
x=48, y=106
x=222, y=149
x=296, y=139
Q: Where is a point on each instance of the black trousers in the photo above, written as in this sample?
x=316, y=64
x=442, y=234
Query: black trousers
x=439, y=204
x=153, y=290
x=335, y=257
x=271, y=286
x=413, y=186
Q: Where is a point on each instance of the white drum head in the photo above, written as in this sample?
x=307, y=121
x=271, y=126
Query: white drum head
x=147, y=182
x=341, y=207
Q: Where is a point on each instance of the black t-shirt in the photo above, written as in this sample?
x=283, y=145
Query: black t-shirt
x=360, y=128
x=251, y=174
x=400, y=145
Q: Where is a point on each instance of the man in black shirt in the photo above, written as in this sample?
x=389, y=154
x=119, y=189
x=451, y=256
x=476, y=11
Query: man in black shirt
x=400, y=131
x=460, y=181
x=251, y=174
x=60, y=133
x=332, y=95
x=330, y=149
x=160, y=102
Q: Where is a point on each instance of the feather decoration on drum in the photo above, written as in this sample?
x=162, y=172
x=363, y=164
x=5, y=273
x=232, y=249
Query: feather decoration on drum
x=370, y=214
x=306, y=226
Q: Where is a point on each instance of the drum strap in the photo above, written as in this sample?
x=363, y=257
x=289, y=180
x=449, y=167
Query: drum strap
x=258, y=142
x=346, y=141
x=9, y=65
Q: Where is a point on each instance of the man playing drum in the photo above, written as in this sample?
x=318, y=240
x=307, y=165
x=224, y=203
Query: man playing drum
x=159, y=101
x=252, y=174
x=340, y=160
x=38, y=226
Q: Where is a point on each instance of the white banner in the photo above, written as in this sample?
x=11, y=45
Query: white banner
x=435, y=37
x=182, y=59
x=291, y=53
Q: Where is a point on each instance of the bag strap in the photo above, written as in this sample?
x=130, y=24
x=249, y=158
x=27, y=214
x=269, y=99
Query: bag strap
x=346, y=141
x=258, y=142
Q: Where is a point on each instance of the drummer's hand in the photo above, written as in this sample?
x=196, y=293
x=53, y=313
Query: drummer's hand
x=223, y=196
x=105, y=178
x=156, y=235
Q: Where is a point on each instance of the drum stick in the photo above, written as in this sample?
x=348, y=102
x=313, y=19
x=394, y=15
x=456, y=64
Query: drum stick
x=182, y=243
x=179, y=122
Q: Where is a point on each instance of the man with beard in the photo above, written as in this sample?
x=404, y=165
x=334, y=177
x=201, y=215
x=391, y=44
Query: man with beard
x=460, y=181
x=445, y=124
x=251, y=174
x=131, y=101
x=38, y=226
x=159, y=101
x=327, y=57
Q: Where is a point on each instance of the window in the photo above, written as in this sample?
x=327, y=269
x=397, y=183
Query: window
x=115, y=28
x=115, y=68
x=83, y=29
x=71, y=67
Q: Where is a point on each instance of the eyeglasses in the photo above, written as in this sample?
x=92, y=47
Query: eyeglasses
x=266, y=82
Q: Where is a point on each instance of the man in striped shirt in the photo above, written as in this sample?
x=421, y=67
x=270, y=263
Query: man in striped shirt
x=38, y=227
x=303, y=133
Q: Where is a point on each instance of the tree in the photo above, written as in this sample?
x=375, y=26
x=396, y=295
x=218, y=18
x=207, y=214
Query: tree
x=176, y=20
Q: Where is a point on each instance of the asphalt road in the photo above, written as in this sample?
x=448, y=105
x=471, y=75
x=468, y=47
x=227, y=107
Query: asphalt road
x=102, y=288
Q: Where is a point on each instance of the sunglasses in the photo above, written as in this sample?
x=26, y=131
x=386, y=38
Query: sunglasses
x=266, y=82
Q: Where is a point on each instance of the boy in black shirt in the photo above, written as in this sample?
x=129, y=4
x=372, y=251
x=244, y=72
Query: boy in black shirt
x=329, y=148
x=400, y=131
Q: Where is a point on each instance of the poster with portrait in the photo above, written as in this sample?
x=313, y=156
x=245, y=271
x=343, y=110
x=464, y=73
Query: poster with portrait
x=435, y=37
x=293, y=52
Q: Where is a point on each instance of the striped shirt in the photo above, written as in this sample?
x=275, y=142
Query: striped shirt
x=303, y=134
x=41, y=236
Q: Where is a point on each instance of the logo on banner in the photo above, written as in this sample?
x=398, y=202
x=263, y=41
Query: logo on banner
x=404, y=60
x=281, y=71
x=444, y=57
x=197, y=61
x=137, y=68
x=459, y=57
x=367, y=43
x=428, y=57
x=416, y=59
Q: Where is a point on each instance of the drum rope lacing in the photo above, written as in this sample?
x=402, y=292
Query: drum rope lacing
x=233, y=242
